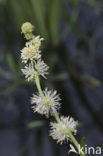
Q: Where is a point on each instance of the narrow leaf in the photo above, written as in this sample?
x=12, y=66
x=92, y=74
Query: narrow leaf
x=35, y=124
x=11, y=63
x=82, y=144
x=54, y=21
x=17, y=12
x=39, y=14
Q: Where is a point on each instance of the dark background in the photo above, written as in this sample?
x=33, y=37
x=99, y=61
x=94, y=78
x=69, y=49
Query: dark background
x=73, y=48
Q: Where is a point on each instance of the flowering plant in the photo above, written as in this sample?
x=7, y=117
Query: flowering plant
x=45, y=102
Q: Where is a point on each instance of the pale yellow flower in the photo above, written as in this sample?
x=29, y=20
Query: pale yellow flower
x=27, y=27
x=29, y=53
x=36, y=41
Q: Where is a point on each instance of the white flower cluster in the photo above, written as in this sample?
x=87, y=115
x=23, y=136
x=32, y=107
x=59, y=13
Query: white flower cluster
x=38, y=66
x=31, y=55
x=60, y=132
x=30, y=52
x=48, y=101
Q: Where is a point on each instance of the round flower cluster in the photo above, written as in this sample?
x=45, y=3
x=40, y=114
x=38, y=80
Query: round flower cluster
x=31, y=55
x=60, y=132
x=45, y=102
x=27, y=29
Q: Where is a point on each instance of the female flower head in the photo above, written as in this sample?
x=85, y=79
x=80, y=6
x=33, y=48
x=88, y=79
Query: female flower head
x=41, y=68
x=60, y=132
x=45, y=104
x=29, y=72
x=38, y=67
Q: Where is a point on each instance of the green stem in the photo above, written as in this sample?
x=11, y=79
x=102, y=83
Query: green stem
x=69, y=133
x=74, y=140
x=38, y=84
x=55, y=114
x=56, y=117
x=75, y=143
x=37, y=81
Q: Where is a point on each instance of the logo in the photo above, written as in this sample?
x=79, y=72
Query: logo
x=85, y=150
x=72, y=149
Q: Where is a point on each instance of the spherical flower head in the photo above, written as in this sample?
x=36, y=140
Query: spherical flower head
x=36, y=41
x=29, y=53
x=27, y=28
x=38, y=67
x=60, y=131
x=29, y=72
x=41, y=68
x=45, y=104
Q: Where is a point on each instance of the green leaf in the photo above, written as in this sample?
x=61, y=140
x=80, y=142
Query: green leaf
x=74, y=2
x=5, y=74
x=54, y=21
x=71, y=23
x=26, y=6
x=35, y=124
x=10, y=62
x=17, y=12
x=9, y=88
x=91, y=81
x=83, y=141
x=39, y=14
x=19, y=67
x=82, y=144
x=14, y=69
x=60, y=77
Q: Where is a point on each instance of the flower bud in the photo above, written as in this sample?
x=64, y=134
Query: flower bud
x=27, y=28
x=29, y=36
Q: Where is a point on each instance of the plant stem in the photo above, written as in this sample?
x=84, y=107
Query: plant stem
x=56, y=117
x=38, y=84
x=69, y=133
x=55, y=114
x=75, y=143
x=37, y=81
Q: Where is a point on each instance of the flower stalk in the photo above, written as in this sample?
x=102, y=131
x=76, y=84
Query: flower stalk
x=56, y=116
x=45, y=102
x=38, y=84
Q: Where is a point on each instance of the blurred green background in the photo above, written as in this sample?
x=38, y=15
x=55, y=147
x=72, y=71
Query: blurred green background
x=73, y=48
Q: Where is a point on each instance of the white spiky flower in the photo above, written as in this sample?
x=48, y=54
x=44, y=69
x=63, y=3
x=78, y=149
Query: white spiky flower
x=41, y=68
x=29, y=53
x=60, y=131
x=45, y=104
x=36, y=41
x=29, y=72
